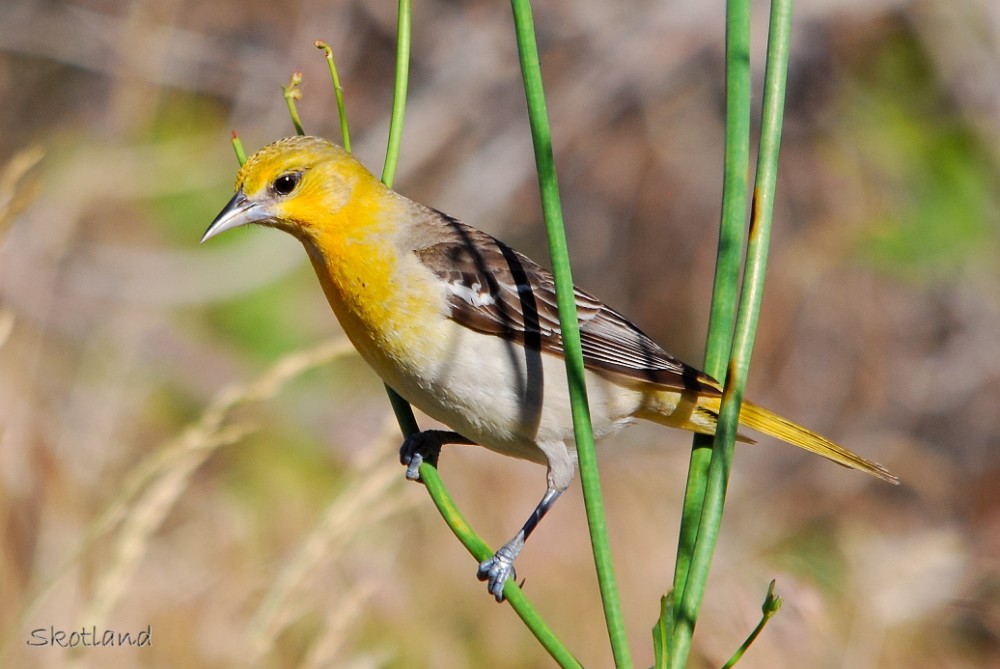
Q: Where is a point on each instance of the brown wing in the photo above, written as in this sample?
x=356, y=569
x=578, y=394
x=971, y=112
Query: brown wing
x=496, y=290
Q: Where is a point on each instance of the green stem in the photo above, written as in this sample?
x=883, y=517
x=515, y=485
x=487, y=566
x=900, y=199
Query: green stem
x=399, y=94
x=293, y=92
x=338, y=91
x=746, y=324
x=404, y=413
x=727, y=264
x=772, y=603
x=661, y=631
x=241, y=154
x=549, y=189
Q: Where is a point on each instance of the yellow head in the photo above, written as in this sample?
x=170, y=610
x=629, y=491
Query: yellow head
x=346, y=219
x=294, y=184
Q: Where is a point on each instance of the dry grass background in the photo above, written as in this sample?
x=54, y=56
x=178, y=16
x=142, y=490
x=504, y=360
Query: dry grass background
x=185, y=443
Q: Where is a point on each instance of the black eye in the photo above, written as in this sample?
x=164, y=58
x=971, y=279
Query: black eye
x=286, y=183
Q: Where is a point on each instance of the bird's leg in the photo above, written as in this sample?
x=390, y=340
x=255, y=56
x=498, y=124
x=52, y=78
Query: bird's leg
x=496, y=570
x=426, y=446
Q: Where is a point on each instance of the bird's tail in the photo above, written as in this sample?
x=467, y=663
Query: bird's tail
x=760, y=419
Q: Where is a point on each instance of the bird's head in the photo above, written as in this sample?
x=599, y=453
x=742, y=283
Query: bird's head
x=295, y=184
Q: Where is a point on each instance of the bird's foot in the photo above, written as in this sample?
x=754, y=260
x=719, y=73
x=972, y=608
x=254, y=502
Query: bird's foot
x=496, y=570
x=426, y=447
x=418, y=448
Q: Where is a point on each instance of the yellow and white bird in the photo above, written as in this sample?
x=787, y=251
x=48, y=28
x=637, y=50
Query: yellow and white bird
x=466, y=328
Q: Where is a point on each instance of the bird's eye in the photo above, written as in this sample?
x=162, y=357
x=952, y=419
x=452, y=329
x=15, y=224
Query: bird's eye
x=286, y=183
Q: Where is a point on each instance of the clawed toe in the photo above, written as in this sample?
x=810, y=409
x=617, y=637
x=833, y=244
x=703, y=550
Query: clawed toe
x=416, y=449
x=426, y=446
x=495, y=572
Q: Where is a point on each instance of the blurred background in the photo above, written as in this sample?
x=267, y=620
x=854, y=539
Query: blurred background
x=188, y=447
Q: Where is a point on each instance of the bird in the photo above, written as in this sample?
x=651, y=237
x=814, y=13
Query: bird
x=466, y=329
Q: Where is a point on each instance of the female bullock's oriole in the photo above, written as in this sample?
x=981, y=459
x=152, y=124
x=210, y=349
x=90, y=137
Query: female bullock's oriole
x=466, y=328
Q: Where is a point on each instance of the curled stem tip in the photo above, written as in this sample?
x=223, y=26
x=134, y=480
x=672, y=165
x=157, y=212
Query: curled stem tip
x=772, y=603
x=338, y=91
x=293, y=92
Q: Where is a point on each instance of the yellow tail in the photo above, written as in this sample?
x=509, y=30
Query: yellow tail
x=770, y=423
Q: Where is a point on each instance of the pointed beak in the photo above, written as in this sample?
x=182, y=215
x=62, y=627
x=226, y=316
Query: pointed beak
x=239, y=211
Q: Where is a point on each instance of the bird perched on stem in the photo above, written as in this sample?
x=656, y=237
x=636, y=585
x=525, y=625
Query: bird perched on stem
x=466, y=328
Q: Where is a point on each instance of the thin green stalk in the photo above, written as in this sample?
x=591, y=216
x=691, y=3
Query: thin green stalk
x=399, y=93
x=661, y=631
x=746, y=324
x=404, y=413
x=293, y=92
x=549, y=189
x=727, y=264
x=241, y=154
x=480, y=551
x=772, y=603
x=339, y=92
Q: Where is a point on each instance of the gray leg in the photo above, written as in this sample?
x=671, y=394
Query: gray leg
x=496, y=570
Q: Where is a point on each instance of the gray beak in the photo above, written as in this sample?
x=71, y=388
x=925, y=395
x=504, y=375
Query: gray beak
x=239, y=211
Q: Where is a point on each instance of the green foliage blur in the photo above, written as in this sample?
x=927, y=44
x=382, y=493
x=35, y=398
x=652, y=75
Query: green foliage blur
x=937, y=179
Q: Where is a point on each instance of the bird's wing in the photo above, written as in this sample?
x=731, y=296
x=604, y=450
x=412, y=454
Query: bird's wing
x=496, y=290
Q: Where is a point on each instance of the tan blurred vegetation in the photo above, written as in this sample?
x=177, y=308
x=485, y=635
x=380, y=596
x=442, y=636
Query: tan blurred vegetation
x=184, y=443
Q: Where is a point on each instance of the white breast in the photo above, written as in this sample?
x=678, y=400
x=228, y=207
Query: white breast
x=506, y=398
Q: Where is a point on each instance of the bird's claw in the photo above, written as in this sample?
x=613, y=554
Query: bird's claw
x=496, y=570
x=426, y=446
x=416, y=449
